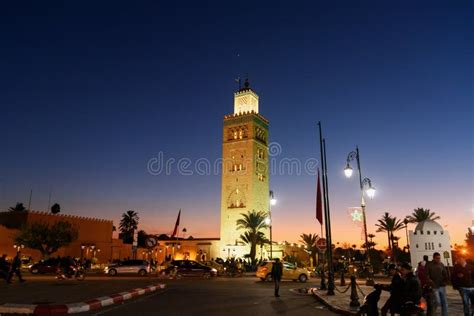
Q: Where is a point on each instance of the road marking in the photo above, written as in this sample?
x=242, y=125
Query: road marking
x=126, y=303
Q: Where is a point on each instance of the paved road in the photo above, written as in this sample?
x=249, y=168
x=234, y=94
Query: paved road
x=47, y=290
x=220, y=296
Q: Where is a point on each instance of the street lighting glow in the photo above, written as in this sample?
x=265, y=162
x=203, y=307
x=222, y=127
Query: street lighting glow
x=267, y=220
x=348, y=171
x=370, y=192
x=273, y=201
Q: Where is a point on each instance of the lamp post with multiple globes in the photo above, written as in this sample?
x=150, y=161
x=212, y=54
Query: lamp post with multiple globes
x=370, y=191
x=268, y=221
x=18, y=247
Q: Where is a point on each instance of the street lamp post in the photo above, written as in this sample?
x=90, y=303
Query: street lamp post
x=268, y=221
x=18, y=247
x=370, y=191
x=406, y=221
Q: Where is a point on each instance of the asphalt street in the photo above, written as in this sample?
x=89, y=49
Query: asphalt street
x=221, y=296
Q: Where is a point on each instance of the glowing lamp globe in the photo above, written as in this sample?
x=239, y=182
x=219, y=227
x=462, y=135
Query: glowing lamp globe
x=348, y=171
x=273, y=201
x=267, y=220
x=370, y=192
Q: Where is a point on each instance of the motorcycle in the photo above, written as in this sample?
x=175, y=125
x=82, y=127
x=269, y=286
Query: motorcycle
x=233, y=271
x=413, y=309
x=76, y=271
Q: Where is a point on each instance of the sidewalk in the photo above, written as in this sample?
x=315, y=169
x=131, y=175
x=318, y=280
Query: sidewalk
x=339, y=302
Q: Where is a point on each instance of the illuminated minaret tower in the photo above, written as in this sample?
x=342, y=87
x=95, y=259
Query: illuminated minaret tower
x=245, y=172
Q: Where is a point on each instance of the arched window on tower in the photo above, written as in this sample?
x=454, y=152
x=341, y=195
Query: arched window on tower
x=236, y=199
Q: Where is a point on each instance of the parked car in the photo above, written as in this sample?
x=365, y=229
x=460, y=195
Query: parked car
x=140, y=267
x=45, y=266
x=219, y=267
x=190, y=268
x=290, y=272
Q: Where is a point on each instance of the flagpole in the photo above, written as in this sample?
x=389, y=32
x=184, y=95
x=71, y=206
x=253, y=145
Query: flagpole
x=322, y=146
x=328, y=228
x=323, y=278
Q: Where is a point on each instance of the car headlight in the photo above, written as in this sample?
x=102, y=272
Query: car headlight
x=29, y=267
x=213, y=270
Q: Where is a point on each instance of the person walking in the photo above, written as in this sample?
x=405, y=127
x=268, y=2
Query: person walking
x=394, y=301
x=421, y=271
x=4, y=267
x=463, y=281
x=15, y=268
x=277, y=272
x=437, y=277
x=411, y=289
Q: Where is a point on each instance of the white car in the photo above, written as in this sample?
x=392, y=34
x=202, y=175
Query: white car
x=140, y=267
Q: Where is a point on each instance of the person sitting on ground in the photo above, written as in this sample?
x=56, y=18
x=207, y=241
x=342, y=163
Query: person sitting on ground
x=395, y=288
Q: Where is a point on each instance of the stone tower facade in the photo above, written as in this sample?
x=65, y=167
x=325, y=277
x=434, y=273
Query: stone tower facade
x=245, y=165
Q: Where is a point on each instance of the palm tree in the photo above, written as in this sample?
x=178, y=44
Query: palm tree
x=389, y=224
x=371, y=244
x=19, y=207
x=371, y=236
x=422, y=214
x=128, y=224
x=470, y=240
x=309, y=241
x=253, y=222
x=259, y=238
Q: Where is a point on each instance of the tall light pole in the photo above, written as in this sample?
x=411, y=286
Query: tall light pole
x=406, y=221
x=268, y=221
x=18, y=247
x=370, y=191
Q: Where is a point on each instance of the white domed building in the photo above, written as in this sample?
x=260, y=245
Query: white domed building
x=429, y=237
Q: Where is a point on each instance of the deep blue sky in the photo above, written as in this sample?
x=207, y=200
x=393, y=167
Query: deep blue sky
x=91, y=90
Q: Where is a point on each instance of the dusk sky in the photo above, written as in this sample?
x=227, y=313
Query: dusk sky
x=91, y=91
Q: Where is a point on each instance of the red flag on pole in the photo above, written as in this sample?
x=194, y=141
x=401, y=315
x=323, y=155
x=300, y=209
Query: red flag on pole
x=175, y=231
x=319, y=202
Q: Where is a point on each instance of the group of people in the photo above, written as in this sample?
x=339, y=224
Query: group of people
x=404, y=290
x=434, y=277
x=7, y=269
x=430, y=283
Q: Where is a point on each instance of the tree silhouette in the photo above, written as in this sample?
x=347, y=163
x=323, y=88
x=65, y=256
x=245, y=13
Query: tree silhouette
x=470, y=241
x=389, y=225
x=19, y=207
x=253, y=223
x=128, y=224
x=45, y=238
x=56, y=208
x=248, y=237
x=309, y=241
x=421, y=214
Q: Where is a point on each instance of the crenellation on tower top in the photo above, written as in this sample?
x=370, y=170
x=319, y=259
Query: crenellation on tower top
x=245, y=100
